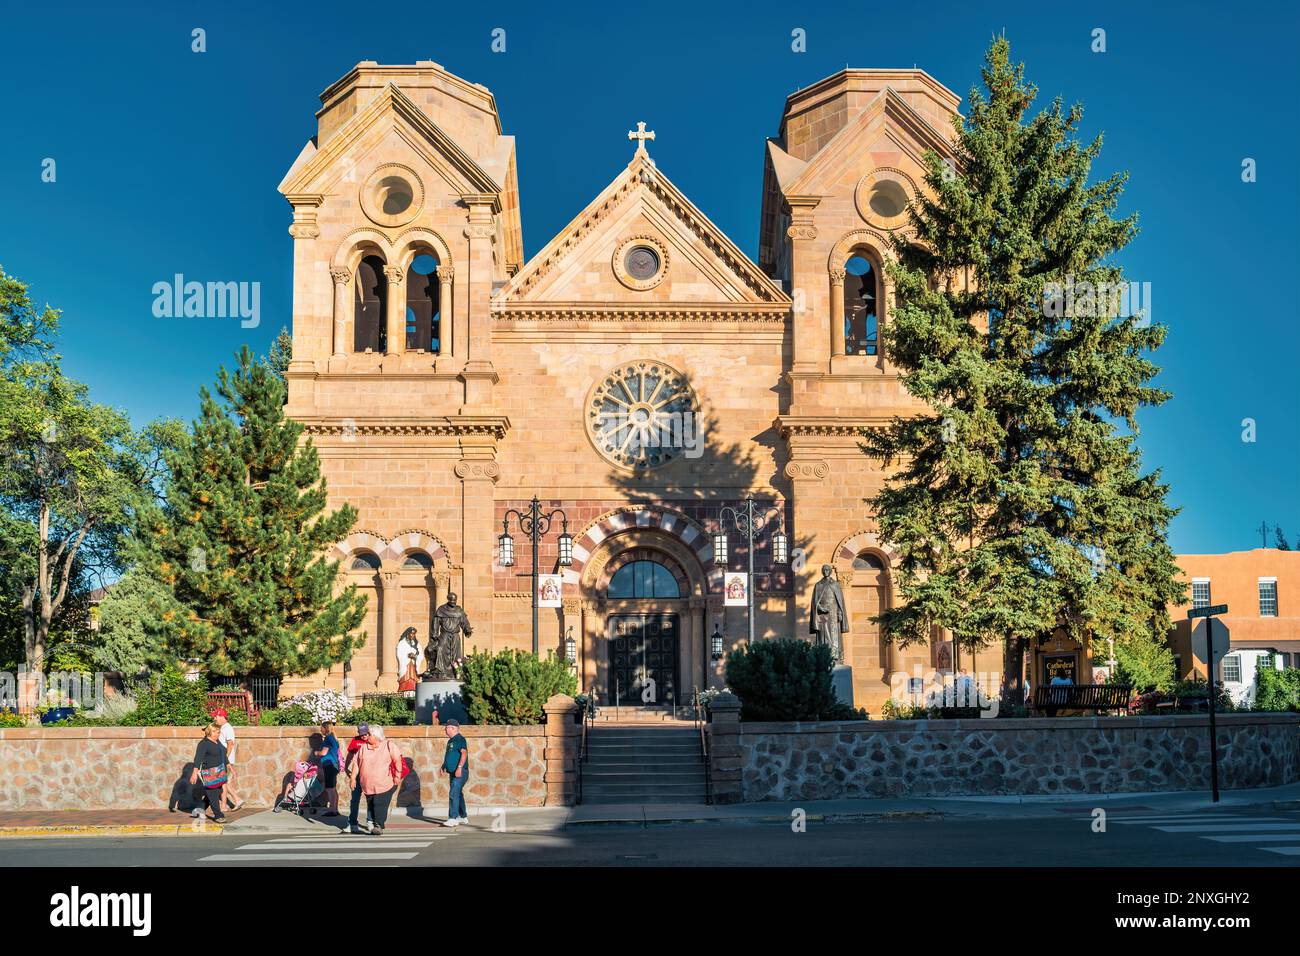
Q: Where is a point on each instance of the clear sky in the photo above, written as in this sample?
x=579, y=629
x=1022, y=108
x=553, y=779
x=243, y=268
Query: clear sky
x=167, y=162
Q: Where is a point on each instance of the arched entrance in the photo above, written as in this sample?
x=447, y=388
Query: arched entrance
x=643, y=620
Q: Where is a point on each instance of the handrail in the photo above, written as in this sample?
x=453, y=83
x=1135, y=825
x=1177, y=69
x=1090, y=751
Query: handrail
x=708, y=770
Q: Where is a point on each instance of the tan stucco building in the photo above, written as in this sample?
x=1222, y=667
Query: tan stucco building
x=446, y=380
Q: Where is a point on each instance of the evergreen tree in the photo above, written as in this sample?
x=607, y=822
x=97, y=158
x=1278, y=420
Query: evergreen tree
x=1282, y=544
x=281, y=353
x=1019, y=505
x=240, y=544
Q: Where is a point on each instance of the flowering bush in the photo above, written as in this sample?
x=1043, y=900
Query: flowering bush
x=322, y=704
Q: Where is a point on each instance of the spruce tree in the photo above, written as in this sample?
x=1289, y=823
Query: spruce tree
x=240, y=545
x=1018, y=504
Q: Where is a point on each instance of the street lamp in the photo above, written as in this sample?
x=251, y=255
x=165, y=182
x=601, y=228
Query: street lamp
x=715, y=643
x=536, y=525
x=748, y=524
x=570, y=648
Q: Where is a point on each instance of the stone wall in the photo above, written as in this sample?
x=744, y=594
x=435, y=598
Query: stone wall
x=148, y=767
x=822, y=761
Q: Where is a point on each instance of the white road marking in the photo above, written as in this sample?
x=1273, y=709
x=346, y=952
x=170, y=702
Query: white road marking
x=388, y=844
x=1209, y=828
x=1248, y=837
x=1195, y=818
x=1284, y=850
x=246, y=857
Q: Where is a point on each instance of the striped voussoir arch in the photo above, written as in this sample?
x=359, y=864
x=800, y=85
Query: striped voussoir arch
x=401, y=544
x=855, y=544
x=666, y=520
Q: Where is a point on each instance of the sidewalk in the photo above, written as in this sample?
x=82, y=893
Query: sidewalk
x=551, y=819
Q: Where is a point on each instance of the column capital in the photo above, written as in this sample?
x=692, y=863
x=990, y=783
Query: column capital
x=446, y=274
x=341, y=276
x=837, y=276
x=394, y=274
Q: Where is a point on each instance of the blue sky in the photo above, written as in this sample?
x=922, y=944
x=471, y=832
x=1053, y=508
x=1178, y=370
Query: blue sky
x=167, y=161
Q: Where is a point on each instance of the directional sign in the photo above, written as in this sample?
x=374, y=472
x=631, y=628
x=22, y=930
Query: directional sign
x=1208, y=610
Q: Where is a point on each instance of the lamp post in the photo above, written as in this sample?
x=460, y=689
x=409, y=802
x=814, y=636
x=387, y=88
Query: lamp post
x=749, y=524
x=571, y=649
x=536, y=525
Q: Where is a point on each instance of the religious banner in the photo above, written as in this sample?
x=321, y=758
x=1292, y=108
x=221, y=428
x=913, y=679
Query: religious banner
x=736, y=588
x=549, y=590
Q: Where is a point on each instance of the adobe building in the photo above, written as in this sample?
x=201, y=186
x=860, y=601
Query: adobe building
x=1261, y=588
x=640, y=373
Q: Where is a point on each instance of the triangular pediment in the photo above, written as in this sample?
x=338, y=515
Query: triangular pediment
x=888, y=131
x=582, y=265
x=391, y=115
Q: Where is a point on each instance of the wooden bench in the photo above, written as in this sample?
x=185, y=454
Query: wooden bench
x=240, y=700
x=1098, y=697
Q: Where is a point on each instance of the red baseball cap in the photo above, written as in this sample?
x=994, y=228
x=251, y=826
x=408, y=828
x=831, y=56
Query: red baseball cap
x=220, y=712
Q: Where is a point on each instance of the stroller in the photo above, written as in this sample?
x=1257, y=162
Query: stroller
x=305, y=789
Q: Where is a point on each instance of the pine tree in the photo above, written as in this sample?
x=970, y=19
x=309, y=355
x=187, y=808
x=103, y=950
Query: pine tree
x=281, y=353
x=240, y=544
x=1280, y=538
x=1019, y=505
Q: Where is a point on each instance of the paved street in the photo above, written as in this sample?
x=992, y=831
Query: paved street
x=1063, y=837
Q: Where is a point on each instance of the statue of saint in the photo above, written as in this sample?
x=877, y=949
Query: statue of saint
x=409, y=660
x=827, y=619
x=446, y=643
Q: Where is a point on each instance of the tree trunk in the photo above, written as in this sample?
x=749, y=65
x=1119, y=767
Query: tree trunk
x=1013, y=669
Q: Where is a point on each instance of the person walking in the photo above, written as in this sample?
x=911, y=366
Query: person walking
x=210, y=771
x=351, y=766
x=455, y=763
x=227, y=740
x=329, y=767
x=379, y=771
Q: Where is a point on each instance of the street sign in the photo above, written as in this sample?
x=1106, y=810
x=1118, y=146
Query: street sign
x=1208, y=610
x=1222, y=640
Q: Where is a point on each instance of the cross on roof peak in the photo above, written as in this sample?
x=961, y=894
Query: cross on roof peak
x=641, y=135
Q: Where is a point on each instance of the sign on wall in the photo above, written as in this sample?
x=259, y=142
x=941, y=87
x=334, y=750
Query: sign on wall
x=1062, y=666
x=736, y=587
x=549, y=590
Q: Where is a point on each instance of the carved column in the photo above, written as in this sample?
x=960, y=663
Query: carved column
x=342, y=309
x=446, y=312
x=396, y=310
x=478, y=372
x=572, y=617
x=837, y=312
x=809, y=333
x=478, y=478
x=387, y=643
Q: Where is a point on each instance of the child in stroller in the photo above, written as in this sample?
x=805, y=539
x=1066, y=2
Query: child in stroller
x=302, y=789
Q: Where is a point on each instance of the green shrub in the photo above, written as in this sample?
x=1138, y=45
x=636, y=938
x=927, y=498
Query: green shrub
x=171, y=700
x=512, y=687
x=785, y=680
x=1278, y=690
x=9, y=719
x=295, y=715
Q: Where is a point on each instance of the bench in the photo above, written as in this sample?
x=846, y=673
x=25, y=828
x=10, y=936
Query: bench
x=1098, y=697
x=238, y=700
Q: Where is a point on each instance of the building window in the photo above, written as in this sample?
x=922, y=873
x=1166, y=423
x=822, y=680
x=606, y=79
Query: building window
x=418, y=560
x=1200, y=592
x=365, y=561
x=643, y=579
x=867, y=562
x=1268, y=597
x=861, y=298
x=1232, y=669
x=422, y=318
x=370, y=332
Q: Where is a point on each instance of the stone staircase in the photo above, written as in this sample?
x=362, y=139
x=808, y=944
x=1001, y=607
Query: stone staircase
x=643, y=763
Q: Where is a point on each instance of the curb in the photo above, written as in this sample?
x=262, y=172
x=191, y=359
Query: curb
x=170, y=829
x=846, y=816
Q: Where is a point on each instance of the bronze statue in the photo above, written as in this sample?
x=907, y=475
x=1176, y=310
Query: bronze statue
x=446, y=647
x=827, y=618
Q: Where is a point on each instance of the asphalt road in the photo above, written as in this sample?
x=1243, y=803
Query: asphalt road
x=1188, y=839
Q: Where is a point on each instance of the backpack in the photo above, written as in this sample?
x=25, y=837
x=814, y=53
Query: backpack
x=393, y=761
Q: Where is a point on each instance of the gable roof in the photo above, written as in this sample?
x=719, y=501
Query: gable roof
x=442, y=151
x=641, y=181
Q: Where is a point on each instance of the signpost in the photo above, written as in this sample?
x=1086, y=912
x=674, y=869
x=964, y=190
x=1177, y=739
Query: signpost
x=1208, y=613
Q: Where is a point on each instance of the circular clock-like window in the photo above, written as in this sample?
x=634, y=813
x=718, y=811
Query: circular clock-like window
x=882, y=197
x=392, y=195
x=643, y=415
x=640, y=262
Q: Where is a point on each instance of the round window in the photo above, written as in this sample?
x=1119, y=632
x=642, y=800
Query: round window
x=642, y=263
x=392, y=195
x=888, y=199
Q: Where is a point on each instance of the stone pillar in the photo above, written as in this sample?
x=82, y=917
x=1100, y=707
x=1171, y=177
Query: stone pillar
x=387, y=643
x=478, y=373
x=342, y=310
x=837, y=312
x=396, y=325
x=809, y=333
x=561, y=754
x=446, y=312
x=478, y=536
x=724, y=749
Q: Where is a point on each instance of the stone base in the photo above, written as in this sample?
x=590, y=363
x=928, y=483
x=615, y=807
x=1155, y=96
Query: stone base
x=444, y=696
x=842, y=682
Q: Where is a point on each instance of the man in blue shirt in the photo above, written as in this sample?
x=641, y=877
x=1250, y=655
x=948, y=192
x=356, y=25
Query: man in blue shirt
x=455, y=763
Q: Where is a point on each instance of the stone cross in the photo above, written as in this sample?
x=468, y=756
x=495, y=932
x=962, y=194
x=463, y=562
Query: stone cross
x=641, y=135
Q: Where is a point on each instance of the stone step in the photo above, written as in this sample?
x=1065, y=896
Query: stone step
x=644, y=795
x=646, y=749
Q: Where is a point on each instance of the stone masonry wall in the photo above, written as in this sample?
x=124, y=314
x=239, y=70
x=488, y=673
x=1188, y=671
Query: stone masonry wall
x=785, y=761
x=139, y=767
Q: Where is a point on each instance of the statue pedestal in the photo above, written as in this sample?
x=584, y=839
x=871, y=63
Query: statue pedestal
x=442, y=696
x=842, y=682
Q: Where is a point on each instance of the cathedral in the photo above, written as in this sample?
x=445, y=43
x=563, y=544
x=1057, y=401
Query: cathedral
x=644, y=379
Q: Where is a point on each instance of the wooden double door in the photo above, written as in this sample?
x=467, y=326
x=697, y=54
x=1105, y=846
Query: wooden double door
x=643, y=655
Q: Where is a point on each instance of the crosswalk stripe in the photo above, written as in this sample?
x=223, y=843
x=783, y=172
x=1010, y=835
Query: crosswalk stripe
x=1210, y=827
x=272, y=857
x=1284, y=850
x=1251, y=837
x=1197, y=818
x=334, y=845
x=334, y=841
